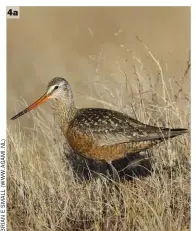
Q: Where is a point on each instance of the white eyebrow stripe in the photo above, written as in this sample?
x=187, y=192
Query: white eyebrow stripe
x=51, y=89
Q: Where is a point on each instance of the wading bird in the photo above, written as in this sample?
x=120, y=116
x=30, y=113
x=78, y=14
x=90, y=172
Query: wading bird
x=97, y=133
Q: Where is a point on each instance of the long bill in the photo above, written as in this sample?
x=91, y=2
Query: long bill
x=41, y=100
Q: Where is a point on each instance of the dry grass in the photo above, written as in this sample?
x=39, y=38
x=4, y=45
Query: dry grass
x=43, y=193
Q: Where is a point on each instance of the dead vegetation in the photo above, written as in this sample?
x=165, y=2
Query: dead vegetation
x=44, y=194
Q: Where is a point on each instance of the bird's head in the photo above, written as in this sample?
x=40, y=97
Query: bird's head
x=57, y=88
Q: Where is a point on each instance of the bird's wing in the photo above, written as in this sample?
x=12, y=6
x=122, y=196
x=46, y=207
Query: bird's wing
x=129, y=135
x=107, y=127
x=145, y=133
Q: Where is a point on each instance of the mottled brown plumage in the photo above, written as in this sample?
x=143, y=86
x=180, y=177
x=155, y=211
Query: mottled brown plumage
x=98, y=133
x=104, y=134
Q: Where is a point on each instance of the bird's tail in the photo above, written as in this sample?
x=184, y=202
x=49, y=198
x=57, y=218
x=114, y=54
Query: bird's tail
x=170, y=133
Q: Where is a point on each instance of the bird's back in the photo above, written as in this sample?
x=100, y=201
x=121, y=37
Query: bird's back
x=108, y=135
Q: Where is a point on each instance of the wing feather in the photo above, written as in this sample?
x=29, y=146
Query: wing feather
x=107, y=127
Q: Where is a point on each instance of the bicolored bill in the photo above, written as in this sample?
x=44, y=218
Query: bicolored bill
x=41, y=100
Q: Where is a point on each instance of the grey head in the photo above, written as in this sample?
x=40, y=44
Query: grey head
x=58, y=88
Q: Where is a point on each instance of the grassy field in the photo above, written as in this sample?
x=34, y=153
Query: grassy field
x=97, y=50
x=45, y=194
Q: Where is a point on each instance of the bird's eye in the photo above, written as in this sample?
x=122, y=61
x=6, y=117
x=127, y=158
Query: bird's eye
x=56, y=87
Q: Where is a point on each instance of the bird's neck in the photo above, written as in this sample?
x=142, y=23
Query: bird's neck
x=65, y=111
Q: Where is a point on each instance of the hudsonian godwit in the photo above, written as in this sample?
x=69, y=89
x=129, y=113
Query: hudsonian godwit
x=98, y=133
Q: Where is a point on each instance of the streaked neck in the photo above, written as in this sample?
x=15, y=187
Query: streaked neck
x=65, y=111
